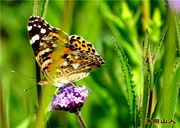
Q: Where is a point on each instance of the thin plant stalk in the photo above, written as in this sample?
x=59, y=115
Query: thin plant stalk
x=38, y=77
x=79, y=116
x=41, y=104
x=151, y=67
x=35, y=7
x=44, y=8
x=150, y=104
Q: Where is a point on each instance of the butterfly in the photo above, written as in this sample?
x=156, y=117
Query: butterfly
x=63, y=59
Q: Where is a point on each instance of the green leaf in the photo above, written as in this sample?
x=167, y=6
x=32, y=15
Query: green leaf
x=131, y=96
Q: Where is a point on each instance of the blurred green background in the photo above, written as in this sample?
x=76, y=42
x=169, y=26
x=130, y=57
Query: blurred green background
x=103, y=23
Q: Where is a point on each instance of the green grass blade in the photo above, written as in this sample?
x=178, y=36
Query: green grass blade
x=146, y=84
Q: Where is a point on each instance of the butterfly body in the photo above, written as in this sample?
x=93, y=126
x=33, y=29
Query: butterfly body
x=63, y=59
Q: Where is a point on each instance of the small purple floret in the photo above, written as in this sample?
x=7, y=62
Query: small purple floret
x=69, y=98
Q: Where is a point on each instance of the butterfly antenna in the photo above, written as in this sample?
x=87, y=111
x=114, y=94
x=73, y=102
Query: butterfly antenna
x=28, y=89
x=22, y=74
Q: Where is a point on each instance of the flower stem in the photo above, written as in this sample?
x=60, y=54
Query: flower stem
x=35, y=7
x=44, y=8
x=38, y=78
x=83, y=125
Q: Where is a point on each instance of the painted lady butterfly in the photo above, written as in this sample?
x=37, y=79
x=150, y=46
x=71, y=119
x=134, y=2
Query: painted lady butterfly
x=63, y=59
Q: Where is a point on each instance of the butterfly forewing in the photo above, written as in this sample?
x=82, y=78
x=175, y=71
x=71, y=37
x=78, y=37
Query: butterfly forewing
x=62, y=58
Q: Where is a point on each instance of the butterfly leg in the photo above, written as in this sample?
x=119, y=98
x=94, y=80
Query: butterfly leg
x=71, y=83
x=57, y=90
x=43, y=82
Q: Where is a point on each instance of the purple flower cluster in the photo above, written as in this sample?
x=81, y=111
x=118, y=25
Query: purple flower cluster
x=174, y=4
x=69, y=98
